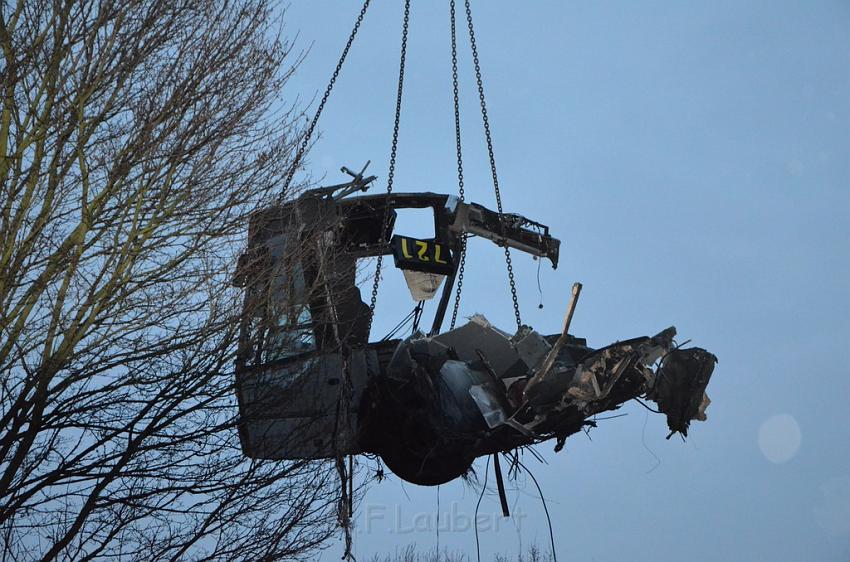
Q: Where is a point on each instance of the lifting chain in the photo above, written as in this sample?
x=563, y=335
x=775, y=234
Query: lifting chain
x=461, y=193
x=305, y=140
x=343, y=404
x=393, y=152
x=492, y=161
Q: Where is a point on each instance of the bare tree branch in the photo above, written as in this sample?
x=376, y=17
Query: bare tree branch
x=136, y=137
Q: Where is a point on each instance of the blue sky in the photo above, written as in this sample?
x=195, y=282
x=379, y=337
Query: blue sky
x=694, y=159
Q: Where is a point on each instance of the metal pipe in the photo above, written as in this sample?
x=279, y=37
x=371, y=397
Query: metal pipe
x=549, y=361
x=440, y=315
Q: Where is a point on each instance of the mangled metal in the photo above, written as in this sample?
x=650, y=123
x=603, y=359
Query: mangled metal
x=453, y=402
x=310, y=384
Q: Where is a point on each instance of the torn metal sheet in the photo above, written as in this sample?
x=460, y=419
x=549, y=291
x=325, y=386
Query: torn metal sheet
x=680, y=384
x=489, y=405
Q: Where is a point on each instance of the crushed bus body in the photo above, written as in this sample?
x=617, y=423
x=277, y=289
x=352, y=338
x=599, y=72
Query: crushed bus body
x=311, y=384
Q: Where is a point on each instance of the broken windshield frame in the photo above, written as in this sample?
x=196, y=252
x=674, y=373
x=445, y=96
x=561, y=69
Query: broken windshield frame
x=299, y=267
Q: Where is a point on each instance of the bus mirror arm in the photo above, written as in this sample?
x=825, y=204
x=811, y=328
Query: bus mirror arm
x=514, y=231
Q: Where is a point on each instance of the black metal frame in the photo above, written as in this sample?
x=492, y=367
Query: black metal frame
x=356, y=222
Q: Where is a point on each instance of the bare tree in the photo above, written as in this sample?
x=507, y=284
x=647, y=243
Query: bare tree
x=135, y=138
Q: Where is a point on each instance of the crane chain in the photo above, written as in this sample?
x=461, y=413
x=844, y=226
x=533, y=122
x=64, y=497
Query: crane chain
x=492, y=161
x=305, y=141
x=460, y=185
x=393, y=152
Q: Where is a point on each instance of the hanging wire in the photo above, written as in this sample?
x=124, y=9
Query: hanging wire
x=545, y=509
x=417, y=316
x=477, y=505
x=642, y=403
x=438, y=521
x=539, y=287
x=645, y=446
x=401, y=324
x=305, y=141
x=345, y=505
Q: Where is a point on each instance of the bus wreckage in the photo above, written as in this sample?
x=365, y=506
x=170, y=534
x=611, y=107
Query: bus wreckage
x=312, y=385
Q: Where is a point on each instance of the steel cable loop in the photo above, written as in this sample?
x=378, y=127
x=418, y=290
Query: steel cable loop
x=492, y=160
x=305, y=141
x=393, y=153
x=460, y=185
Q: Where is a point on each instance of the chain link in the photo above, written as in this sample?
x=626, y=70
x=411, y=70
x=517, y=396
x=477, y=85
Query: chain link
x=459, y=279
x=305, y=141
x=393, y=152
x=460, y=185
x=492, y=160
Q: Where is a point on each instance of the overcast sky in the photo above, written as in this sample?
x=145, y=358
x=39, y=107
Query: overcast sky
x=694, y=159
